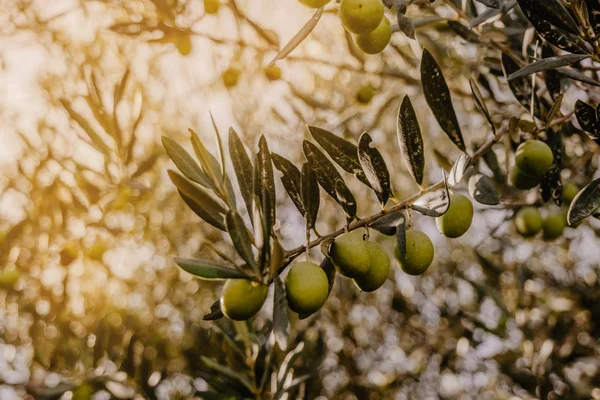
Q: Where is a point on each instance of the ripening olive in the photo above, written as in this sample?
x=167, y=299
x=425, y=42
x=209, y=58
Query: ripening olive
x=458, y=218
x=242, y=299
x=365, y=94
x=314, y=3
x=349, y=254
x=378, y=270
x=212, y=6
x=522, y=181
x=375, y=41
x=307, y=287
x=273, y=73
x=569, y=192
x=554, y=225
x=184, y=45
x=534, y=158
x=361, y=16
x=419, y=253
x=528, y=221
x=230, y=77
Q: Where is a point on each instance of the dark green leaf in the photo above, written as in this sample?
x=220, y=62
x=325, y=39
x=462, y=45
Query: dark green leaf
x=387, y=225
x=464, y=32
x=195, y=193
x=310, y=195
x=587, y=117
x=265, y=182
x=240, y=237
x=215, y=220
x=242, y=165
x=552, y=77
x=483, y=190
x=434, y=204
x=593, y=7
x=280, y=314
x=462, y=163
x=345, y=199
x=548, y=64
x=184, y=162
x=291, y=180
x=577, y=76
x=228, y=372
x=343, y=152
x=411, y=141
x=551, y=185
x=521, y=87
x=401, y=237
x=215, y=312
x=374, y=167
x=491, y=13
x=491, y=160
x=554, y=23
x=438, y=97
x=585, y=203
x=209, y=270
x=490, y=3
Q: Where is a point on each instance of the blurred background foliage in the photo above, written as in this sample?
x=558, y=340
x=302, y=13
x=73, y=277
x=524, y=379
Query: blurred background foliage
x=91, y=303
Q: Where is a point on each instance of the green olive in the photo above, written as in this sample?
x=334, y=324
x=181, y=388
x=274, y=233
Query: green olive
x=365, y=94
x=419, y=253
x=522, y=181
x=528, y=221
x=307, y=287
x=378, y=270
x=361, y=16
x=570, y=190
x=554, y=225
x=534, y=158
x=314, y=3
x=273, y=73
x=230, y=77
x=212, y=6
x=83, y=392
x=375, y=41
x=349, y=254
x=184, y=45
x=242, y=299
x=458, y=218
x=9, y=277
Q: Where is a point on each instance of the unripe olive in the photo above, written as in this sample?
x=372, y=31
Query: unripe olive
x=554, y=225
x=458, y=218
x=528, y=221
x=378, y=270
x=534, y=158
x=419, y=253
x=273, y=73
x=361, y=16
x=83, y=392
x=349, y=254
x=96, y=251
x=570, y=190
x=184, y=45
x=521, y=181
x=365, y=94
x=314, y=3
x=9, y=277
x=211, y=6
x=375, y=41
x=230, y=77
x=242, y=299
x=307, y=287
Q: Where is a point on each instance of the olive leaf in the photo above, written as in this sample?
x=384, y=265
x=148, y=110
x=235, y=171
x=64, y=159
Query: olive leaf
x=184, y=162
x=483, y=190
x=328, y=177
x=240, y=237
x=215, y=220
x=329, y=268
x=280, y=314
x=490, y=3
x=585, y=203
x=520, y=87
x=460, y=166
x=555, y=24
x=342, y=151
x=209, y=270
x=309, y=189
x=551, y=185
x=227, y=372
x=551, y=77
x=401, y=238
x=387, y=225
x=411, y=141
x=291, y=180
x=264, y=184
x=587, y=116
x=577, y=76
x=374, y=167
x=464, y=31
x=493, y=12
x=491, y=160
x=215, y=312
x=547, y=64
x=242, y=166
x=405, y=24
x=593, y=7
x=439, y=99
x=436, y=203
x=481, y=103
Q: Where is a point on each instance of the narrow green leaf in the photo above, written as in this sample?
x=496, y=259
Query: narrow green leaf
x=587, y=116
x=209, y=270
x=464, y=31
x=242, y=166
x=481, y=103
x=195, y=193
x=94, y=136
x=520, y=87
x=240, y=237
x=411, y=141
x=291, y=180
x=548, y=64
x=215, y=312
x=310, y=195
x=483, y=190
x=220, y=145
x=438, y=97
x=215, y=220
x=343, y=152
x=374, y=167
x=265, y=182
x=585, y=203
x=345, y=199
x=280, y=314
x=228, y=372
x=184, y=162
